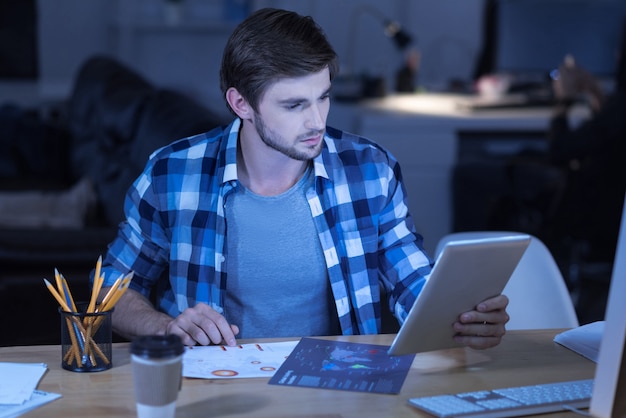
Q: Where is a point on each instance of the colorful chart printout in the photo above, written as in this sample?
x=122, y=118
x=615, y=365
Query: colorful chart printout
x=343, y=365
x=247, y=360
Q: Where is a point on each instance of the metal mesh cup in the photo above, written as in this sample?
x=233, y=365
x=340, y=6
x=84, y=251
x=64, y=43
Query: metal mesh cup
x=86, y=340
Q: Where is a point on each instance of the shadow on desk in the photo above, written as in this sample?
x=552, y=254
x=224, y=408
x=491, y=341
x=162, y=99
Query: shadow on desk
x=225, y=405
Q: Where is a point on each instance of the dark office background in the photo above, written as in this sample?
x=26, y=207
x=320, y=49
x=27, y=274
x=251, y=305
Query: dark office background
x=18, y=40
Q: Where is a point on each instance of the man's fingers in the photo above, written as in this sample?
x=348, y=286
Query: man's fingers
x=208, y=329
x=186, y=338
x=493, y=304
x=218, y=329
x=203, y=325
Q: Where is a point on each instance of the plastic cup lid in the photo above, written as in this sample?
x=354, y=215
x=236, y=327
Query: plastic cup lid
x=157, y=346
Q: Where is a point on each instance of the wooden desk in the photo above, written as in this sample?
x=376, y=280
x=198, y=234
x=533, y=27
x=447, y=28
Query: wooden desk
x=523, y=358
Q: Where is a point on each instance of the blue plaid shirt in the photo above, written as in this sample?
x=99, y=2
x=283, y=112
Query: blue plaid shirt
x=175, y=216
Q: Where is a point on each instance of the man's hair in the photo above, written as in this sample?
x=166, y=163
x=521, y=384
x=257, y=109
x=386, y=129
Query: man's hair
x=272, y=44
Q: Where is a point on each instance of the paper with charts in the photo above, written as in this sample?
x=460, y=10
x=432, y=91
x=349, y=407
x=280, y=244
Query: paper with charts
x=342, y=365
x=247, y=360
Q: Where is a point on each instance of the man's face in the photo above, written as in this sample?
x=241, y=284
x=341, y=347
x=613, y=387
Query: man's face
x=292, y=115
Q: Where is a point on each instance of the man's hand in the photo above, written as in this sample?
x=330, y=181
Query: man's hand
x=202, y=325
x=134, y=315
x=484, y=327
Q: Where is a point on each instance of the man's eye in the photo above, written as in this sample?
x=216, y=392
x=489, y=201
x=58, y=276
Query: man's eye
x=294, y=106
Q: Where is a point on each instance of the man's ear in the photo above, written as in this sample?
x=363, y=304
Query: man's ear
x=238, y=103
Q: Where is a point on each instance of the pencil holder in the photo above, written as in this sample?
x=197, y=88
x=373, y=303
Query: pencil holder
x=86, y=340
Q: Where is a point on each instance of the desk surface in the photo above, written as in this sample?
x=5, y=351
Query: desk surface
x=445, y=105
x=446, y=110
x=523, y=358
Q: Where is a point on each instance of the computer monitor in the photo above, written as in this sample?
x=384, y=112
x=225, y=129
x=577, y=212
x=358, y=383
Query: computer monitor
x=533, y=36
x=609, y=392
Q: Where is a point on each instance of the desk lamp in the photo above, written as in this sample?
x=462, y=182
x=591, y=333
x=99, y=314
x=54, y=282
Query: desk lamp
x=405, y=77
x=398, y=35
x=353, y=86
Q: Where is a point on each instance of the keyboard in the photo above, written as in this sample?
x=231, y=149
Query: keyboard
x=509, y=402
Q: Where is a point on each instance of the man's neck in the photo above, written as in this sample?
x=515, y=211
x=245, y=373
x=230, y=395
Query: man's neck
x=263, y=170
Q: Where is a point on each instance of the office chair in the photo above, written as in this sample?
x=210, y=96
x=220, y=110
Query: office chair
x=537, y=292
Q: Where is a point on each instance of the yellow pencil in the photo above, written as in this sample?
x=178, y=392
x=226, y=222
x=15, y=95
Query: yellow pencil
x=115, y=294
x=119, y=292
x=97, y=285
x=73, y=337
x=68, y=294
x=57, y=278
x=56, y=296
x=110, y=293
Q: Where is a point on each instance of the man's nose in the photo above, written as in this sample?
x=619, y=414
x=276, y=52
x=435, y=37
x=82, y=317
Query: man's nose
x=316, y=118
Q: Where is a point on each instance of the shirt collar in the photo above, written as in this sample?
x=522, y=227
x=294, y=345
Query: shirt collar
x=232, y=140
x=318, y=162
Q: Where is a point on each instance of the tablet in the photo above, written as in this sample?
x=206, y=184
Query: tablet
x=466, y=273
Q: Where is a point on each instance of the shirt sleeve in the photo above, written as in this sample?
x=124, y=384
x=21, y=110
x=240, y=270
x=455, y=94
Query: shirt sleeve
x=404, y=263
x=141, y=245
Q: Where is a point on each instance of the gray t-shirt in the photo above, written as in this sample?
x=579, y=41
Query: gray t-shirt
x=277, y=279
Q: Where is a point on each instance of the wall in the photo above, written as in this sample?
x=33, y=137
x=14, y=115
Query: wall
x=69, y=31
x=448, y=34
x=187, y=55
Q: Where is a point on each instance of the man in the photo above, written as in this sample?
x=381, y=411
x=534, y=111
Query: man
x=274, y=225
x=592, y=155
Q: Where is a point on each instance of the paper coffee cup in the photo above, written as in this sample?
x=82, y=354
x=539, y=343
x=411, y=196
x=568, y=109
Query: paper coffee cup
x=157, y=374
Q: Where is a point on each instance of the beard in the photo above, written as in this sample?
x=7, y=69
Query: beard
x=280, y=144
